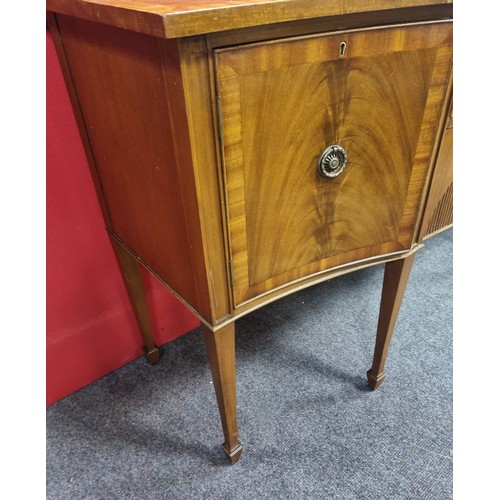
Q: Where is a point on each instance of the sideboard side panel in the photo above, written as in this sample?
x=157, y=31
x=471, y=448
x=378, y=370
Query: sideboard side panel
x=53, y=28
x=119, y=79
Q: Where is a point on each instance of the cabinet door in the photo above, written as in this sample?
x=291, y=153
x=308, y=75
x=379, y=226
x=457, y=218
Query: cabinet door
x=377, y=93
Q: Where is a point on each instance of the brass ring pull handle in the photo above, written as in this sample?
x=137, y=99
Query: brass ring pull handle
x=332, y=161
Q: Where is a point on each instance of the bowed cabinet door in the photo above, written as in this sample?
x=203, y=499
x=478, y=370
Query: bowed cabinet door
x=378, y=94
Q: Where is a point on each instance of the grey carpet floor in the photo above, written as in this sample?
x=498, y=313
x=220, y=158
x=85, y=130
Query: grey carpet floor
x=310, y=427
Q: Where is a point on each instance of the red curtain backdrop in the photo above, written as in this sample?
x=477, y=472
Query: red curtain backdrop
x=91, y=329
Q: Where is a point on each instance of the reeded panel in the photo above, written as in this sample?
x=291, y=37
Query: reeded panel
x=376, y=93
x=439, y=209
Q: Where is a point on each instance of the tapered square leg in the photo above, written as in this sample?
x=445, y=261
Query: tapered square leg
x=220, y=347
x=131, y=274
x=395, y=279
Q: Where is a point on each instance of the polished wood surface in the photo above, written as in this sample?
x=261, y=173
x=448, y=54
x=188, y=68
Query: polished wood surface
x=135, y=288
x=200, y=110
x=128, y=88
x=439, y=208
x=180, y=18
x=204, y=148
x=53, y=27
x=380, y=101
x=331, y=23
x=220, y=348
x=395, y=279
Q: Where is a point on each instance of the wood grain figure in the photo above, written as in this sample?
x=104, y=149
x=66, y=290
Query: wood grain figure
x=204, y=122
x=439, y=207
x=380, y=102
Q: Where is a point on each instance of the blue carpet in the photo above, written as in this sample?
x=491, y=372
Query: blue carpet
x=310, y=427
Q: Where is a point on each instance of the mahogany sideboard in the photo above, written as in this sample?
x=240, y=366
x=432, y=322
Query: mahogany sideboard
x=242, y=150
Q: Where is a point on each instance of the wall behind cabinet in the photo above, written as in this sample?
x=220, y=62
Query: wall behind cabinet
x=91, y=329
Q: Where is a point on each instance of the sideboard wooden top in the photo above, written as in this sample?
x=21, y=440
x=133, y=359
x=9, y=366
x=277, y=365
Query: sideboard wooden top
x=180, y=18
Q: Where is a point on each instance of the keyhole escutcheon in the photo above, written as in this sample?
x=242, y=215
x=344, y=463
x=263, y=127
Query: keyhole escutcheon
x=342, y=48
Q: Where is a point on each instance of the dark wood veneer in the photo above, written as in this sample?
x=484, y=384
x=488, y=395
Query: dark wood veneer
x=202, y=122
